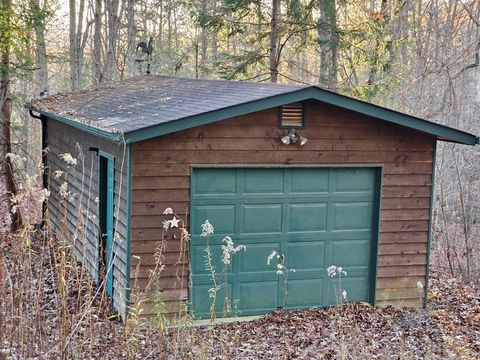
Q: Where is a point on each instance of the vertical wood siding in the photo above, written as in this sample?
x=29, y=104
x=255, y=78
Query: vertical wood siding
x=80, y=211
x=161, y=169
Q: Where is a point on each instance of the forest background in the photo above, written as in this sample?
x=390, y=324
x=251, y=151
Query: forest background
x=416, y=56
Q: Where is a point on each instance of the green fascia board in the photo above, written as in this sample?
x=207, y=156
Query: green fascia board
x=308, y=93
x=395, y=117
x=217, y=115
x=129, y=229
x=115, y=137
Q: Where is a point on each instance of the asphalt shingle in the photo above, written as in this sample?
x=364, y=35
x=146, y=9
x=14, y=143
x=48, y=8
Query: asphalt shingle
x=146, y=101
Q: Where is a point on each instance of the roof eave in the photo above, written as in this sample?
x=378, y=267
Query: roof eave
x=111, y=136
x=439, y=131
x=217, y=115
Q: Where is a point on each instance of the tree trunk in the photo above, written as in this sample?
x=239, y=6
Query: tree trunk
x=273, y=57
x=204, y=42
x=112, y=27
x=74, y=72
x=5, y=111
x=97, y=75
x=327, y=36
x=131, y=37
x=42, y=61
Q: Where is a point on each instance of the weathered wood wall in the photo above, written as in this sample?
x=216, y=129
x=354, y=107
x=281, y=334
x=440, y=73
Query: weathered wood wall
x=161, y=178
x=76, y=216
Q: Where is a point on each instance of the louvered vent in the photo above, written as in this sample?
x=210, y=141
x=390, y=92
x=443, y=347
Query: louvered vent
x=292, y=116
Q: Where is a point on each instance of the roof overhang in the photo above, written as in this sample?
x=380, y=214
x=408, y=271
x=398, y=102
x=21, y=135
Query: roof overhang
x=441, y=132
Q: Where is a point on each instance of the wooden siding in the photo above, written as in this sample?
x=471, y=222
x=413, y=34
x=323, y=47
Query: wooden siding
x=161, y=169
x=80, y=211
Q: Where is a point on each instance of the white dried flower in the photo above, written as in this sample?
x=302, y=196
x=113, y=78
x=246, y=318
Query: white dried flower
x=344, y=295
x=63, y=190
x=229, y=249
x=333, y=271
x=207, y=229
x=68, y=158
x=44, y=195
x=279, y=272
x=280, y=266
x=166, y=224
x=57, y=173
x=168, y=211
x=419, y=285
x=271, y=256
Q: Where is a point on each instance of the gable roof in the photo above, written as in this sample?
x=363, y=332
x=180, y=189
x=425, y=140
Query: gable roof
x=148, y=106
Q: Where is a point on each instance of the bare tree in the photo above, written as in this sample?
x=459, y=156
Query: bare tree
x=327, y=37
x=41, y=49
x=5, y=113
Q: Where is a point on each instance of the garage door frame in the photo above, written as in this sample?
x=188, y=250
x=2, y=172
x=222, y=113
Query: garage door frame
x=378, y=187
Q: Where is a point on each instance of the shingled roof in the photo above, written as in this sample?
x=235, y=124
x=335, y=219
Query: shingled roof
x=147, y=106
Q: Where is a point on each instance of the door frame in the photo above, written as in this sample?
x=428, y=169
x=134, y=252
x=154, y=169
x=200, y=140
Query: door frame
x=106, y=179
x=377, y=209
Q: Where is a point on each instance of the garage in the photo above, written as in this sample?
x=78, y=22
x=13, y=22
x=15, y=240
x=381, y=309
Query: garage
x=318, y=177
x=313, y=216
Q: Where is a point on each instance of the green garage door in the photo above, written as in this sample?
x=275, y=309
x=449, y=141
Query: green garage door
x=316, y=217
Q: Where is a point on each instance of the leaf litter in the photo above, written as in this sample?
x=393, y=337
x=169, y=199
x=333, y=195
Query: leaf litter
x=448, y=329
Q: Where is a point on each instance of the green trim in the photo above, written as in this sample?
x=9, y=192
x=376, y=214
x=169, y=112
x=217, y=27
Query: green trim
x=312, y=92
x=376, y=231
x=212, y=116
x=226, y=166
x=430, y=224
x=129, y=227
x=395, y=117
x=115, y=137
x=440, y=131
x=106, y=155
x=108, y=205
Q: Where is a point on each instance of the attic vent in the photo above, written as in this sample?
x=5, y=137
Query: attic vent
x=292, y=116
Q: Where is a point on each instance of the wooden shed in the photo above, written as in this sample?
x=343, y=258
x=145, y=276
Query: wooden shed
x=321, y=178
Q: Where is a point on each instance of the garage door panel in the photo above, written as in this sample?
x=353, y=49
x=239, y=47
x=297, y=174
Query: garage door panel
x=198, y=258
x=353, y=180
x=351, y=254
x=356, y=288
x=201, y=300
x=352, y=216
x=221, y=216
x=306, y=255
x=258, y=296
x=304, y=293
x=255, y=257
x=215, y=181
x=263, y=181
x=307, y=217
x=262, y=218
x=309, y=181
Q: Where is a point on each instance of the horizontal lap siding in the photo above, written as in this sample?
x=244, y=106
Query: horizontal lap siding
x=162, y=167
x=78, y=219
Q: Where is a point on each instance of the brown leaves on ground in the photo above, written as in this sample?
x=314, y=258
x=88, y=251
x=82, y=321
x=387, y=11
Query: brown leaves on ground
x=40, y=322
x=449, y=329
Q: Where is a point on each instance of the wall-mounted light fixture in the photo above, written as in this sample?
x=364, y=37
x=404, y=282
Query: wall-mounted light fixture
x=293, y=137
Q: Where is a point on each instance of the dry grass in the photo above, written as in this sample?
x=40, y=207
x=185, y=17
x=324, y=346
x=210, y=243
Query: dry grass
x=52, y=309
